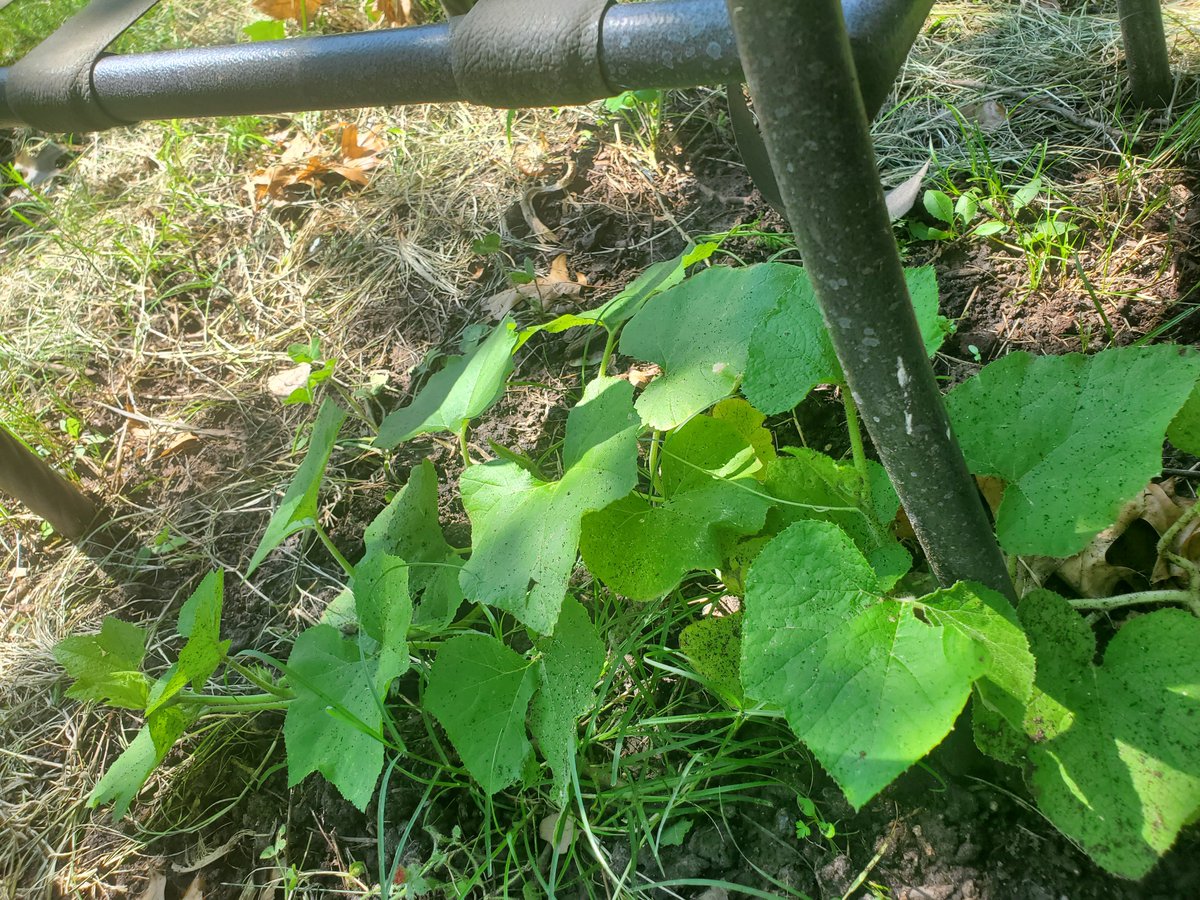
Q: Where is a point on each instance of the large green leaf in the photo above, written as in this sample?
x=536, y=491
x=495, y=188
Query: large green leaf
x=710, y=496
x=1074, y=437
x=714, y=645
x=125, y=777
x=463, y=389
x=479, y=690
x=1115, y=747
x=299, y=507
x=791, y=353
x=383, y=607
x=200, y=623
x=571, y=661
x=869, y=684
x=107, y=666
x=526, y=531
x=699, y=332
x=1184, y=431
x=333, y=725
x=409, y=528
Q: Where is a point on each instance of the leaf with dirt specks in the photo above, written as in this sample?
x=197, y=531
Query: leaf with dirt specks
x=107, y=666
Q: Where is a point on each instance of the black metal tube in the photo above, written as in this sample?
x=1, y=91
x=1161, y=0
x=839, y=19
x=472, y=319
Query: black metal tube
x=798, y=61
x=1150, y=79
x=662, y=43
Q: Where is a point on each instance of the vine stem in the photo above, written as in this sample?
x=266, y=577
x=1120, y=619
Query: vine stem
x=856, y=446
x=652, y=463
x=241, y=702
x=261, y=683
x=332, y=548
x=610, y=344
x=462, y=445
x=1190, y=599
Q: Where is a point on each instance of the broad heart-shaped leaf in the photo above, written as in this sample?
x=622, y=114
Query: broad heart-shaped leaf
x=466, y=387
x=868, y=684
x=790, y=349
x=699, y=332
x=200, y=623
x=1074, y=437
x=107, y=666
x=479, y=690
x=409, y=528
x=1184, y=431
x=137, y=762
x=527, y=531
x=336, y=690
x=809, y=485
x=714, y=645
x=621, y=308
x=710, y=498
x=383, y=607
x=299, y=507
x=1115, y=747
x=570, y=666
x=749, y=423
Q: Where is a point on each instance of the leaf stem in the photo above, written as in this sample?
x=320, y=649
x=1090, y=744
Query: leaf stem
x=1190, y=599
x=262, y=683
x=610, y=344
x=242, y=702
x=652, y=464
x=856, y=447
x=462, y=444
x=332, y=548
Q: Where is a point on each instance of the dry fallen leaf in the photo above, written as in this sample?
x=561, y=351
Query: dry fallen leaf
x=900, y=199
x=546, y=831
x=544, y=290
x=283, y=384
x=640, y=376
x=305, y=164
x=399, y=12
x=987, y=114
x=157, y=888
x=195, y=890
x=297, y=10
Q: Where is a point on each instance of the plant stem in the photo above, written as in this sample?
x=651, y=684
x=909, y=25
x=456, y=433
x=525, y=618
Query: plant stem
x=333, y=550
x=462, y=445
x=856, y=447
x=1190, y=599
x=264, y=684
x=609, y=346
x=243, y=702
x=652, y=463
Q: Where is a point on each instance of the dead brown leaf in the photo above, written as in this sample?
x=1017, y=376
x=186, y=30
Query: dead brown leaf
x=989, y=115
x=542, y=291
x=305, y=165
x=285, y=383
x=195, y=890
x=640, y=376
x=296, y=10
x=399, y=12
x=547, y=827
x=156, y=889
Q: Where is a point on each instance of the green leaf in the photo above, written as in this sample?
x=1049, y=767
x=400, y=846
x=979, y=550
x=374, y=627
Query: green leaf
x=966, y=207
x=479, y=690
x=107, y=666
x=526, y=531
x=714, y=645
x=1115, y=747
x=1184, y=431
x=466, y=387
x=790, y=349
x=333, y=725
x=748, y=422
x=383, y=607
x=710, y=497
x=810, y=486
x=265, y=30
x=200, y=623
x=699, y=332
x=137, y=762
x=868, y=684
x=1025, y=195
x=940, y=206
x=409, y=528
x=299, y=507
x=621, y=308
x=1075, y=437
x=570, y=666
x=989, y=228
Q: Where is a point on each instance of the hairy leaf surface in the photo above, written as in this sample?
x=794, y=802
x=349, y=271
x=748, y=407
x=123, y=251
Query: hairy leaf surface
x=384, y=608
x=868, y=684
x=479, y=690
x=1074, y=437
x=791, y=352
x=526, y=530
x=463, y=389
x=107, y=666
x=409, y=528
x=299, y=507
x=129, y=772
x=699, y=332
x=200, y=623
x=711, y=497
x=570, y=666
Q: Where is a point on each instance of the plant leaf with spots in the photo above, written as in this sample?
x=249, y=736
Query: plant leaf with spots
x=791, y=352
x=866, y=682
x=710, y=498
x=464, y=388
x=298, y=510
x=334, y=724
x=698, y=332
x=200, y=623
x=107, y=666
x=714, y=645
x=409, y=528
x=383, y=607
x=1075, y=437
x=130, y=771
x=479, y=690
x=1114, y=747
x=527, y=530
x=572, y=659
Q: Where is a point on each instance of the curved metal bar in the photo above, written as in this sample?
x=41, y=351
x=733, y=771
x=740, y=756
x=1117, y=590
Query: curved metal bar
x=662, y=44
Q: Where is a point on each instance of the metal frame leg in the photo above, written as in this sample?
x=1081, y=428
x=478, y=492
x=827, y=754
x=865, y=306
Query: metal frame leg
x=797, y=59
x=1150, y=79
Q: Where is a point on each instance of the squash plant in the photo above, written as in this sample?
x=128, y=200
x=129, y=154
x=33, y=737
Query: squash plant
x=836, y=629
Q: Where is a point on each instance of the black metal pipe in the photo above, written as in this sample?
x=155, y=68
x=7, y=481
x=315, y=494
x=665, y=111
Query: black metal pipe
x=1150, y=79
x=662, y=43
x=798, y=61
